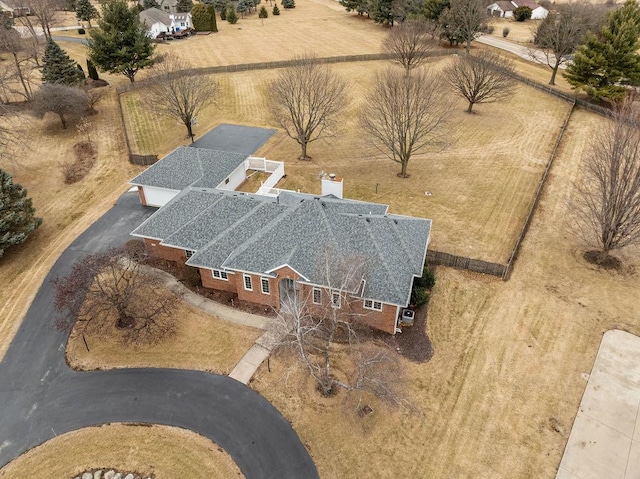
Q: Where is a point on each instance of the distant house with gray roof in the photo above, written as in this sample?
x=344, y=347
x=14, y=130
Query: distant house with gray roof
x=266, y=249
x=158, y=21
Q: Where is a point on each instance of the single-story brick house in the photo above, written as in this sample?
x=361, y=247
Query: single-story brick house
x=269, y=248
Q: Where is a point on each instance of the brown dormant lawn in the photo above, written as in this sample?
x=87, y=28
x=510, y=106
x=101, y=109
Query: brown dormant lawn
x=154, y=451
x=499, y=396
x=201, y=342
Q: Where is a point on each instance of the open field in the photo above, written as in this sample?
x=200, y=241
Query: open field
x=165, y=452
x=481, y=181
x=519, y=32
x=201, y=342
x=499, y=396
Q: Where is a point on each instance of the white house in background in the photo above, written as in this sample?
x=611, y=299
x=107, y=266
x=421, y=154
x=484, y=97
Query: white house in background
x=159, y=22
x=505, y=9
x=13, y=10
x=167, y=6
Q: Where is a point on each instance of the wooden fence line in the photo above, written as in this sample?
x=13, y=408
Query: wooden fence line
x=461, y=262
x=536, y=197
x=143, y=160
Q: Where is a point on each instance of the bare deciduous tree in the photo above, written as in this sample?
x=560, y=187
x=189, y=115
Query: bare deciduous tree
x=44, y=11
x=109, y=290
x=562, y=31
x=178, y=94
x=63, y=100
x=305, y=99
x=607, y=199
x=321, y=336
x=466, y=19
x=482, y=78
x=404, y=113
x=10, y=42
x=409, y=43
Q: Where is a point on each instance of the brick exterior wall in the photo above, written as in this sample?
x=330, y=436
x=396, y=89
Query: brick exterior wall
x=384, y=320
x=256, y=295
x=154, y=248
x=208, y=281
x=143, y=200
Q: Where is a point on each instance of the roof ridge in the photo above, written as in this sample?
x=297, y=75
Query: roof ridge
x=259, y=234
x=233, y=226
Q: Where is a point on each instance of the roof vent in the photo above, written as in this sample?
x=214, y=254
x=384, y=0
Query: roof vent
x=323, y=204
x=368, y=220
x=332, y=176
x=395, y=221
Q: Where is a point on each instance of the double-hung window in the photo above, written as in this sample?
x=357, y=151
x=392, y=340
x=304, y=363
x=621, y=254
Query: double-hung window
x=317, y=296
x=335, y=299
x=218, y=274
x=371, y=304
x=264, y=283
x=247, y=283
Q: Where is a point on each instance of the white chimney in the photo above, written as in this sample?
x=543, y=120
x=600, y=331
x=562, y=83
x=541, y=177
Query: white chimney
x=332, y=185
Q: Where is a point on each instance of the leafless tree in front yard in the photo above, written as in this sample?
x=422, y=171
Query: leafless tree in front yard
x=305, y=100
x=62, y=100
x=607, y=199
x=405, y=113
x=562, y=31
x=109, y=290
x=481, y=78
x=410, y=42
x=328, y=341
x=179, y=94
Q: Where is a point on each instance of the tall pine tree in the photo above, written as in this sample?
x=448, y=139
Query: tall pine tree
x=121, y=44
x=85, y=11
x=17, y=215
x=58, y=67
x=606, y=62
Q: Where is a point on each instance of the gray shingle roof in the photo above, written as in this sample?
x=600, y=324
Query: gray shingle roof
x=187, y=166
x=154, y=15
x=258, y=234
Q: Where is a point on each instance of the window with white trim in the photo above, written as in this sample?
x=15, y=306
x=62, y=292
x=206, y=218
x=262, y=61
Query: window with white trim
x=371, y=304
x=335, y=299
x=317, y=296
x=218, y=274
x=247, y=283
x=264, y=283
x=189, y=253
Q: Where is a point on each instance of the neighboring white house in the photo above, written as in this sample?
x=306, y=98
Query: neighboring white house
x=505, y=9
x=159, y=22
x=13, y=10
x=167, y=6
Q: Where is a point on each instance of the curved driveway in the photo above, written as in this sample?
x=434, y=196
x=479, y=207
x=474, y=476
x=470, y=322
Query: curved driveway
x=41, y=397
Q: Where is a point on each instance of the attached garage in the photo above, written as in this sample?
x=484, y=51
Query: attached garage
x=155, y=196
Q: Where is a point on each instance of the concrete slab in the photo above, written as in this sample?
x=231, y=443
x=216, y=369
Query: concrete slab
x=234, y=138
x=604, y=441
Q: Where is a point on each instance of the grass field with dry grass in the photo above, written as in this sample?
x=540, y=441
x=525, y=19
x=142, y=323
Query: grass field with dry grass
x=499, y=397
x=157, y=451
x=481, y=181
x=201, y=342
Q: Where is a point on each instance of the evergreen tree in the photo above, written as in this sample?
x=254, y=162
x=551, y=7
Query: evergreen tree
x=212, y=12
x=150, y=4
x=201, y=18
x=359, y=6
x=433, y=8
x=17, y=220
x=85, y=12
x=263, y=12
x=288, y=4
x=244, y=6
x=232, y=16
x=276, y=10
x=91, y=70
x=223, y=13
x=606, y=62
x=184, y=6
x=522, y=13
x=380, y=11
x=121, y=44
x=58, y=67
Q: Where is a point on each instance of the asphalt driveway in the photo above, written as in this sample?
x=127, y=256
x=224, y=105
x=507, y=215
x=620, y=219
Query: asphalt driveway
x=40, y=397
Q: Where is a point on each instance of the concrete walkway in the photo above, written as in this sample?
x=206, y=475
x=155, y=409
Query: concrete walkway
x=261, y=349
x=605, y=439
